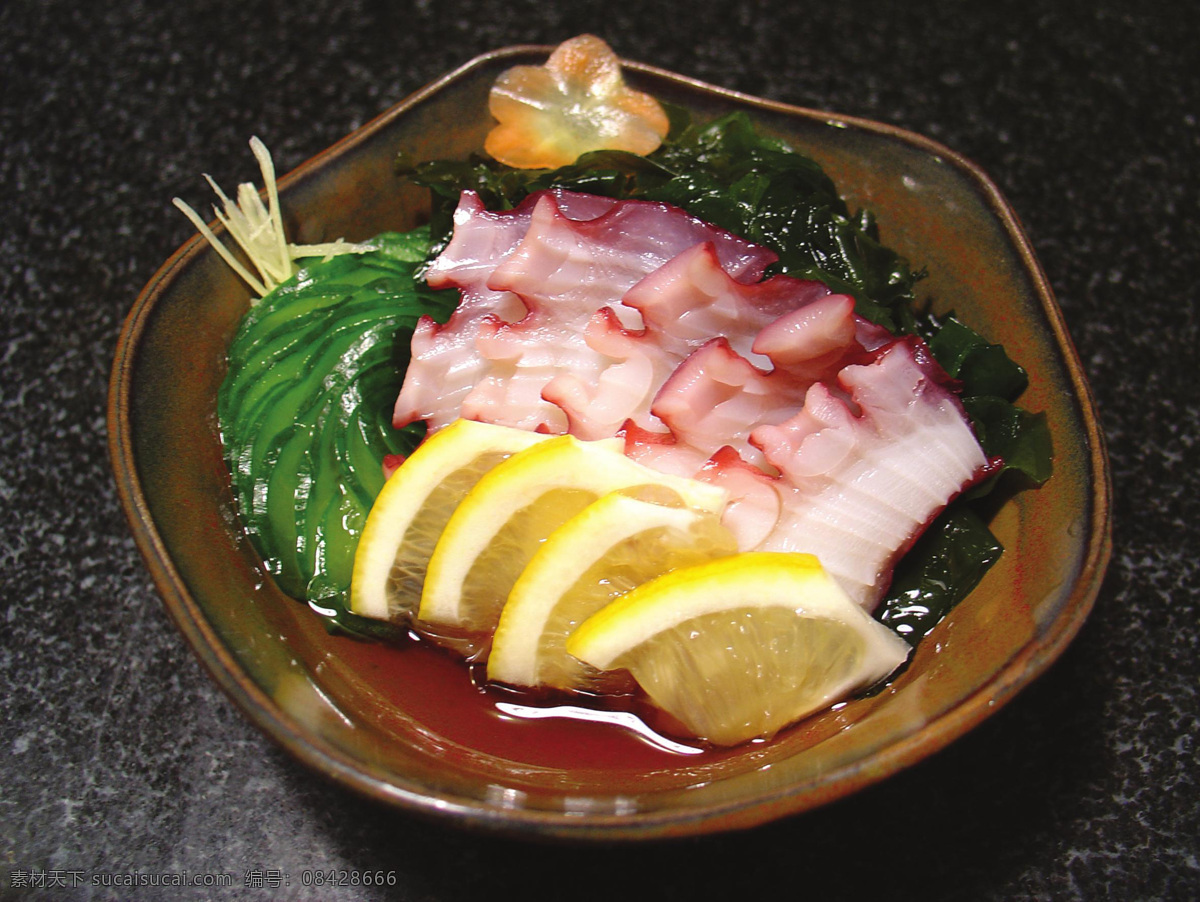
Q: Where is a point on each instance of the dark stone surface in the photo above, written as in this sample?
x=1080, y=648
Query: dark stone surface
x=118, y=755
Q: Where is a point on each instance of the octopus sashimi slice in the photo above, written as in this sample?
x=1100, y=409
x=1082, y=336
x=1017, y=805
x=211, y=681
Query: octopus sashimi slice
x=531, y=279
x=692, y=298
x=584, y=265
x=862, y=478
x=754, y=497
x=719, y=396
x=597, y=404
x=445, y=367
x=482, y=238
x=683, y=304
x=716, y=397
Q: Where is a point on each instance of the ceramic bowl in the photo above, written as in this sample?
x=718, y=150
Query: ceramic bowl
x=337, y=707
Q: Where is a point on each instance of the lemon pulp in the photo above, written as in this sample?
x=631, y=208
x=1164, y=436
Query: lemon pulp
x=616, y=543
x=412, y=509
x=738, y=648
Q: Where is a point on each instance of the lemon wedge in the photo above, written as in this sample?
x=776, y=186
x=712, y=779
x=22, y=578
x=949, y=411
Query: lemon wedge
x=514, y=507
x=616, y=543
x=738, y=648
x=413, y=507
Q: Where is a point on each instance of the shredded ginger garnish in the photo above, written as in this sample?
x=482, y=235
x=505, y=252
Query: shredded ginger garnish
x=258, y=230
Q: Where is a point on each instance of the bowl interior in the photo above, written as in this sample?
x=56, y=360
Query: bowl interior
x=375, y=718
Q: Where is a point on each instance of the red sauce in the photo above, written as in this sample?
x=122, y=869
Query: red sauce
x=449, y=698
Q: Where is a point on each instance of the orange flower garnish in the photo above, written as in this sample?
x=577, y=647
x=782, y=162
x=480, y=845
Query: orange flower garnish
x=577, y=102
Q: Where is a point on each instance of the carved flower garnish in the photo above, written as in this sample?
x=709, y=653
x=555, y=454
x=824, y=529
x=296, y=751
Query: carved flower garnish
x=577, y=102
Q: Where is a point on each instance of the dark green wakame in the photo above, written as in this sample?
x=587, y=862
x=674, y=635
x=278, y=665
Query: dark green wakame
x=755, y=186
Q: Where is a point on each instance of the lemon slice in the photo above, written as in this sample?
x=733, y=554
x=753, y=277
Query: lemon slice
x=411, y=510
x=618, y=542
x=501, y=522
x=738, y=648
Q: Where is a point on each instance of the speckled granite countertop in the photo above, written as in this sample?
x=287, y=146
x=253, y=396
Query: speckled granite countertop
x=118, y=755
